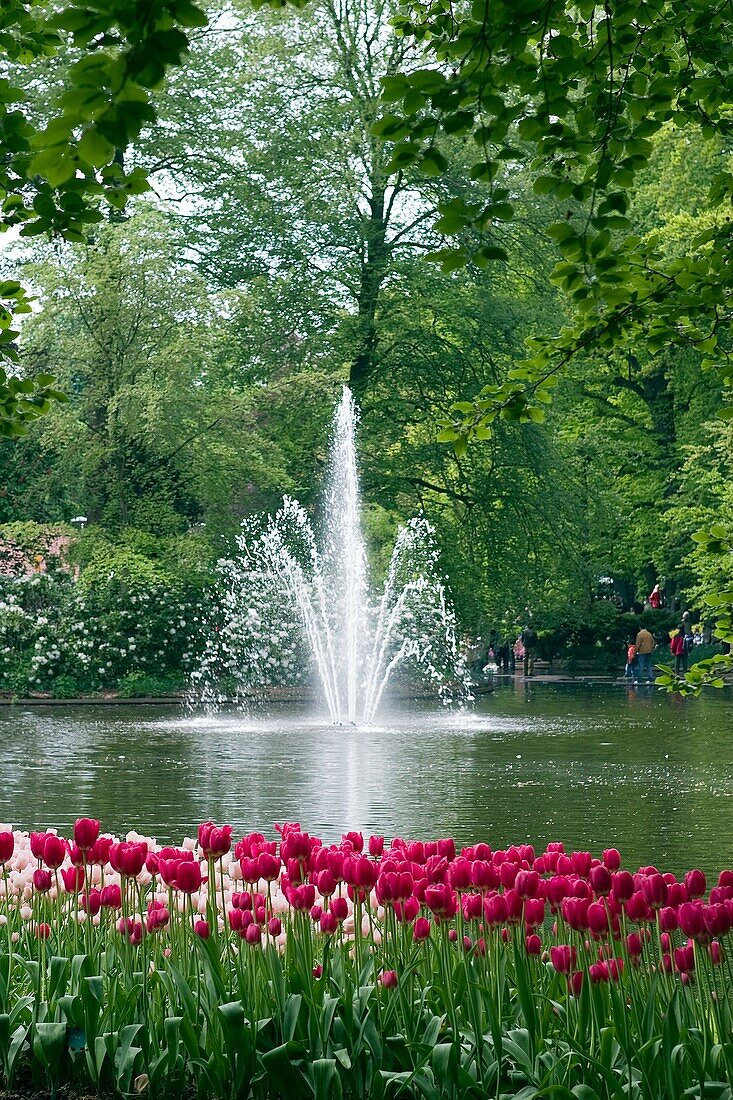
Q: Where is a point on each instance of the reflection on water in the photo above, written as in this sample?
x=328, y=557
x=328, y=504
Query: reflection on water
x=593, y=765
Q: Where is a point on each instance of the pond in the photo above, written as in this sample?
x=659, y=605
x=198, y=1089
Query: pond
x=594, y=765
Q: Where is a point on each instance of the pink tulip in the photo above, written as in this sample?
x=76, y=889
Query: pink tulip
x=274, y=926
x=598, y=919
x=376, y=846
x=600, y=880
x=622, y=886
x=201, y=929
x=533, y=945
x=692, y=919
x=388, y=978
x=612, y=859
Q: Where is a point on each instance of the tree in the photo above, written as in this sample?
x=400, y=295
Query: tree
x=57, y=162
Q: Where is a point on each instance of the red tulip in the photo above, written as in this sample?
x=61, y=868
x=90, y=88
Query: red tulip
x=42, y=931
x=612, y=859
x=598, y=972
x=215, y=841
x=73, y=879
x=622, y=886
x=329, y=924
x=268, y=866
x=581, y=863
x=638, y=908
x=7, y=847
x=111, y=896
x=188, y=877
x=37, y=842
x=533, y=945
x=441, y=900
x=92, y=902
x=668, y=921
x=274, y=926
x=717, y=920
x=527, y=884
x=376, y=846
x=692, y=919
x=684, y=958
x=421, y=929
x=716, y=953
x=86, y=831
x=54, y=851
x=562, y=958
x=128, y=858
x=42, y=880
x=201, y=929
x=600, y=880
x=598, y=919
x=407, y=910
x=388, y=978
x=696, y=884
x=654, y=889
x=633, y=944
x=253, y=934
x=340, y=908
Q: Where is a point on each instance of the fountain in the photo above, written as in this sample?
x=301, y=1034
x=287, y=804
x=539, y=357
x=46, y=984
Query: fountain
x=289, y=593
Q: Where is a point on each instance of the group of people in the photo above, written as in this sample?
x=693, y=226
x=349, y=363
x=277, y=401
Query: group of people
x=680, y=641
x=505, y=653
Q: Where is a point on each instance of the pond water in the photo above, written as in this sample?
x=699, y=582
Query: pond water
x=593, y=765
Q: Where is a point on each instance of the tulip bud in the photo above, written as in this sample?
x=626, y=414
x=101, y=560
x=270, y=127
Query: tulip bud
x=388, y=978
x=695, y=883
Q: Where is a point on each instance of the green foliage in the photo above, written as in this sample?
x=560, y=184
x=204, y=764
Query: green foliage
x=58, y=163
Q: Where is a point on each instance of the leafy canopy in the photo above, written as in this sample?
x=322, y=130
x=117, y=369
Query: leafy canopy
x=55, y=168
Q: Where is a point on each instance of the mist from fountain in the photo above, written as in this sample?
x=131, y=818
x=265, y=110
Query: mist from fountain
x=356, y=641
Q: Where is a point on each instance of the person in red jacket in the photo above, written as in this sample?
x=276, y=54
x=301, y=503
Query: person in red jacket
x=655, y=598
x=679, y=650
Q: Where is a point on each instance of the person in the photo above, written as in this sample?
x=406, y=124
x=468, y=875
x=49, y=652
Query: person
x=632, y=665
x=655, y=598
x=644, y=647
x=518, y=650
x=529, y=641
x=679, y=652
x=504, y=656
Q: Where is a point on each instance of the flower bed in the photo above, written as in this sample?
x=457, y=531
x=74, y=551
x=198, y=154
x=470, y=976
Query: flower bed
x=290, y=968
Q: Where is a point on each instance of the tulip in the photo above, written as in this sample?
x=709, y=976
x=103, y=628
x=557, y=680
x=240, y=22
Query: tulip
x=86, y=831
x=581, y=863
x=54, y=851
x=37, y=841
x=654, y=889
x=562, y=958
x=598, y=972
x=7, y=847
x=274, y=926
x=42, y=881
x=692, y=919
x=388, y=978
x=376, y=846
x=533, y=944
x=638, y=908
x=600, y=880
x=73, y=879
x=622, y=886
x=42, y=931
x=717, y=920
x=696, y=883
x=612, y=859
x=268, y=866
x=668, y=921
x=188, y=877
x=495, y=909
x=253, y=934
x=527, y=884
x=441, y=900
x=201, y=929
x=716, y=953
x=684, y=958
x=421, y=929
x=634, y=944
x=340, y=908
x=598, y=919
x=111, y=896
